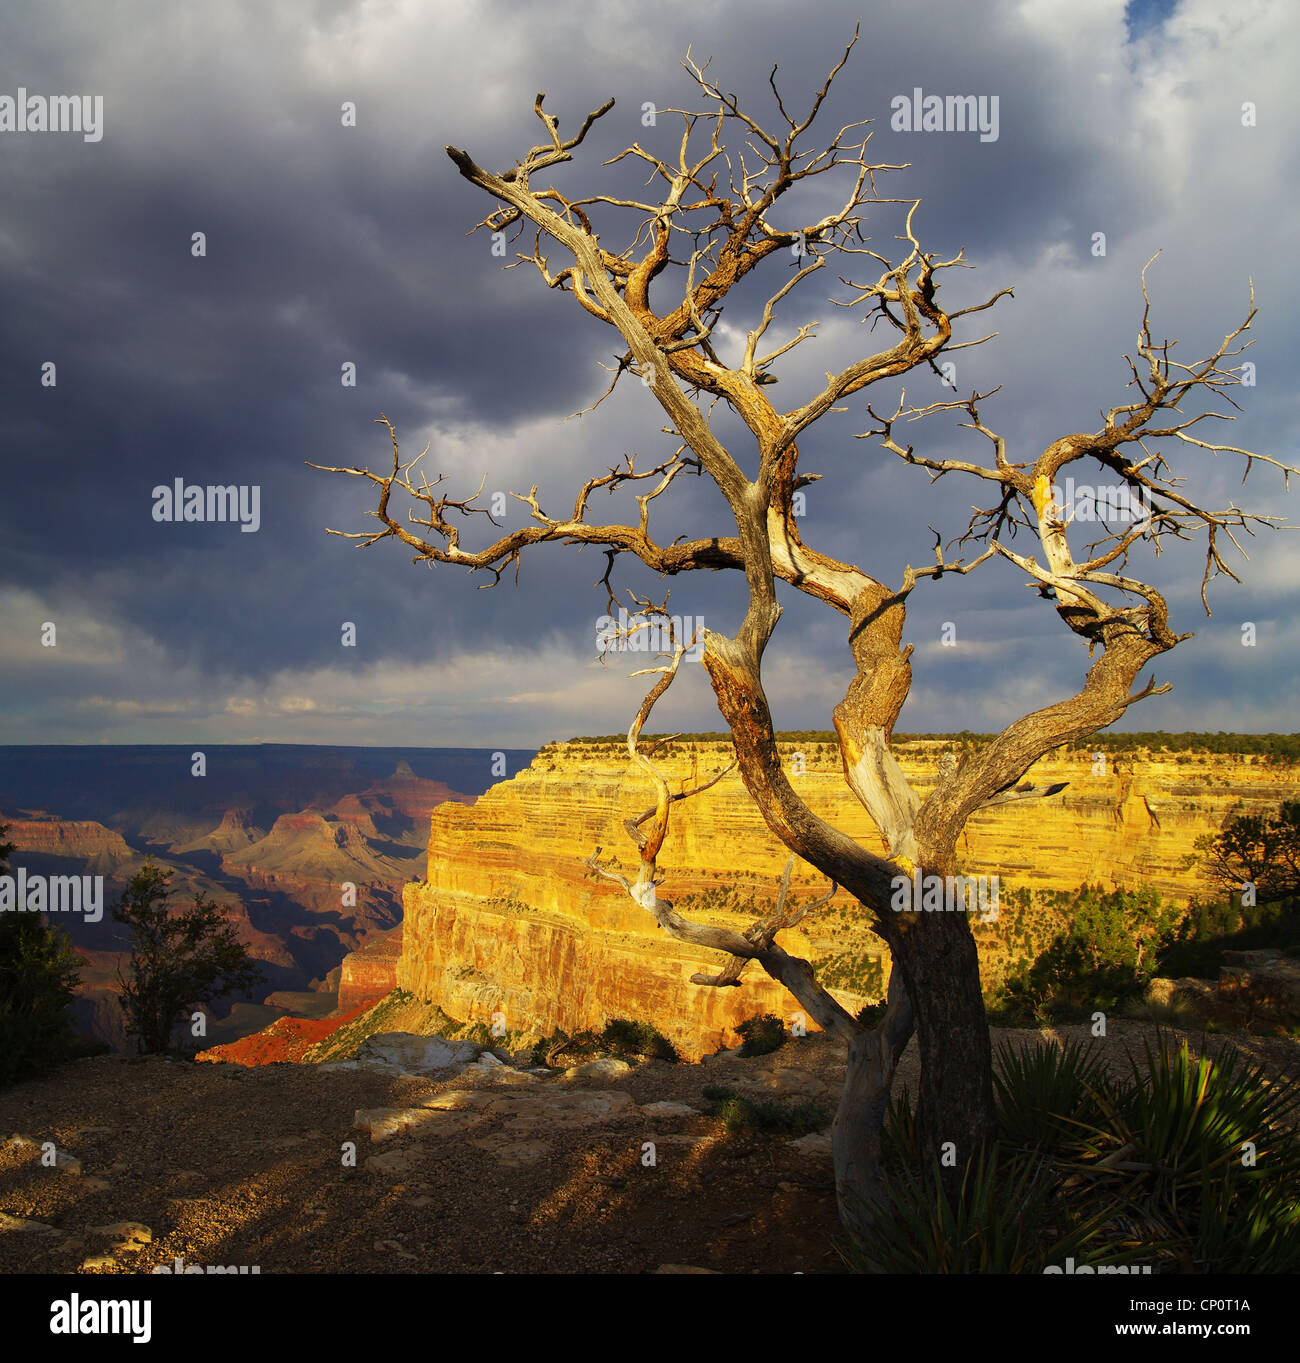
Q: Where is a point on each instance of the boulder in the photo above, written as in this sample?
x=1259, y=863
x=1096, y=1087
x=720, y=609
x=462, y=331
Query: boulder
x=607, y=1068
x=413, y=1054
x=16, y=1223
x=668, y=1109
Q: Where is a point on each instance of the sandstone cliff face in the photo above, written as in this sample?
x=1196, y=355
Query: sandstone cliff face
x=370, y=973
x=74, y=839
x=309, y=856
x=508, y=919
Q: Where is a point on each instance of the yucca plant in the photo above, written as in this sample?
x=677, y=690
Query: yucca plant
x=1006, y=1219
x=1187, y=1116
x=1047, y=1097
x=1248, y=1222
x=1197, y=1153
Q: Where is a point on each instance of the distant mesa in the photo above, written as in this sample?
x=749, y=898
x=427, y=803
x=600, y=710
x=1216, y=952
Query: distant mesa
x=235, y=831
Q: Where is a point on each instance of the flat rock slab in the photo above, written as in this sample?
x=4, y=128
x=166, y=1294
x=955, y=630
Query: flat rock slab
x=128, y=1234
x=498, y=1074
x=16, y=1223
x=526, y=1113
x=66, y=1163
x=813, y=1144
x=667, y=1109
x=416, y=1054
x=512, y=1154
x=458, y=1099
x=395, y=1163
x=383, y=1123
x=609, y=1068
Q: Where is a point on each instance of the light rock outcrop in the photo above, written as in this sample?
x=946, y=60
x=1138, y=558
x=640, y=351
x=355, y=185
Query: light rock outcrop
x=510, y=921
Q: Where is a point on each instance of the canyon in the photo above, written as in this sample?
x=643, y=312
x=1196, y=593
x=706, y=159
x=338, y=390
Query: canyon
x=509, y=922
x=322, y=864
x=306, y=850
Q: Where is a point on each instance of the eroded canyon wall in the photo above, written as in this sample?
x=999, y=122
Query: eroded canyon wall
x=509, y=919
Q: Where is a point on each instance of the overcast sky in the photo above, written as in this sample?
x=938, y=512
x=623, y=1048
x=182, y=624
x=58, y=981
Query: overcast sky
x=328, y=245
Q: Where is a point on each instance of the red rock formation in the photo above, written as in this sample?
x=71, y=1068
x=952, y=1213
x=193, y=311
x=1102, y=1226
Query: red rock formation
x=370, y=973
x=76, y=839
x=285, y=1039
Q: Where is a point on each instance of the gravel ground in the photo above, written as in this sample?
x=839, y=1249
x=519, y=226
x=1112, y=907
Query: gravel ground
x=221, y=1165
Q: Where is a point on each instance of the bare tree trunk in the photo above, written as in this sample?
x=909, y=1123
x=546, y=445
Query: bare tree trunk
x=858, y=1131
x=954, y=1111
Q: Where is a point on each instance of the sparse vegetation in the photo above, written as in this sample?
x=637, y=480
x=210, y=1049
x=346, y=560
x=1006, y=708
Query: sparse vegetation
x=623, y=1037
x=761, y=1035
x=1185, y=1165
x=1105, y=954
x=38, y=978
x=746, y=1114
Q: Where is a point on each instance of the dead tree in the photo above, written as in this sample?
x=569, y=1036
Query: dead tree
x=710, y=225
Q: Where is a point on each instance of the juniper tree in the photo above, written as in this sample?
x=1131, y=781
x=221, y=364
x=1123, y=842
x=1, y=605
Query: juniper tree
x=176, y=960
x=711, y=225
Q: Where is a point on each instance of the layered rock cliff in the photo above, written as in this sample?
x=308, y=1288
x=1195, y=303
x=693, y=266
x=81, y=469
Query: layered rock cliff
x=508, y=919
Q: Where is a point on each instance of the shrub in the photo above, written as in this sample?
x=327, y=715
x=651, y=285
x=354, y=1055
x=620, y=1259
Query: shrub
x=177, y=960
x=38, y=977
x=745, y=1114
x=1154, y=1169
x=762, y=1034
x=624, y=1037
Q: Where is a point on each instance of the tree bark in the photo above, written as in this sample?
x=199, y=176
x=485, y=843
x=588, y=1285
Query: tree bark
x=858, y=1130
x=954, y=1111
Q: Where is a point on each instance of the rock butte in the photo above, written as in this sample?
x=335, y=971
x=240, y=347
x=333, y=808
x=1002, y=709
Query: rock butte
x=509, y=920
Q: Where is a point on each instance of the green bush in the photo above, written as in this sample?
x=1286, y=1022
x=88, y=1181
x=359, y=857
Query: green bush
x=745, y=1114
x=624, y=1037
x=38, y=979
x=1105, y=955
x=1209, y=929
x=1184, y=1166
x=762, y=1034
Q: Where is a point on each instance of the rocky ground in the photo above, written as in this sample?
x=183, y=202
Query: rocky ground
x=485, y=1168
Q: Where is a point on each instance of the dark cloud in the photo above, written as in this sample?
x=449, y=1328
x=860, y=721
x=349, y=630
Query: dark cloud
x=328, y=245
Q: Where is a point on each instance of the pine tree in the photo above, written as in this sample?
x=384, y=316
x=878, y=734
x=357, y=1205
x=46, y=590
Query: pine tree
x=177, y=960
x=38, y=979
